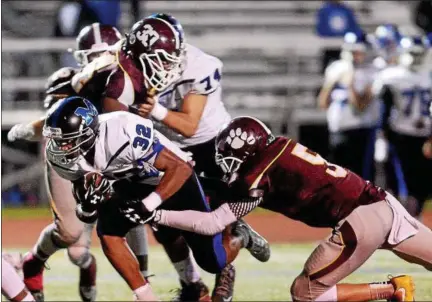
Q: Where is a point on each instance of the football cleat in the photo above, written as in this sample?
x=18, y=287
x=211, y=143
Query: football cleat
x=87, y=283
x=224, y=285
x=404, y=288
x=255, y=243
x=196, y=291
x=33, y=269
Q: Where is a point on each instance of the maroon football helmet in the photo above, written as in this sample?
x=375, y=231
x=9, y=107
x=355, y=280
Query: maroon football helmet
x=157, y=45
x=240, y=139
x=93, y=40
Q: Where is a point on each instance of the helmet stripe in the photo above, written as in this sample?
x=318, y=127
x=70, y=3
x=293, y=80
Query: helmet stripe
x=96, y=33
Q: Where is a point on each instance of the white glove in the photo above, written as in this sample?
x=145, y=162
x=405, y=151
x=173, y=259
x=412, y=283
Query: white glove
x=21, y=131
x=381, y=150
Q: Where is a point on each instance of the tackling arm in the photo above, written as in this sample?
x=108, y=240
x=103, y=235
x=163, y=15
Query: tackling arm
x=209, y=223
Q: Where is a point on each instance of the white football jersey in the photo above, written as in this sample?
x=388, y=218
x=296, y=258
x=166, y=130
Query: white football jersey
x=341, y=115
x=126, y=148
x=201, y=75
x=411, y=90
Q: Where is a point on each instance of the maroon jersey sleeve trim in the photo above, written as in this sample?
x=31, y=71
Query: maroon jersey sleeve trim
x=349, y=242
x=258, y=179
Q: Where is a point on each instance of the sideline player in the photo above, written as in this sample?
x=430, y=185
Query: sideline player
x=187, y=109
x=406, y=93
x=127, y=150
x=352, y=111
x=67, y=231
x=284, y=176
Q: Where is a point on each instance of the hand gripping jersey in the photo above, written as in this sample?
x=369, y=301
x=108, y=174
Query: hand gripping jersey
x=126, y=148
x=411, y=97
x=341, y=115
x=300, y=184
x=201, y=75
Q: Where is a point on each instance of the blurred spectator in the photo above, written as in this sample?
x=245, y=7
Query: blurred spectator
x=334, y=19
x=423, y=15
x=71, y=17
x=107, y=11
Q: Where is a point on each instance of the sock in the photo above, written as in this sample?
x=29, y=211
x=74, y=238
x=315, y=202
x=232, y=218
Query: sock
x=365, y=291
x=187, y=270
x=45, y=246
x=381, y=290
x=12, y=284
x=144, y=293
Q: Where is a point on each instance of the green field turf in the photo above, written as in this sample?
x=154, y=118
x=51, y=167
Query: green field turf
x=255, y=281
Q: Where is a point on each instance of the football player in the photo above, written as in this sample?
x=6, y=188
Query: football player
x=284, y=176
x=147, y=170
x=187, y=108
x=11, y=284
x=94, y=46
x=386, y=43
x=352, y=111
x=406, y=92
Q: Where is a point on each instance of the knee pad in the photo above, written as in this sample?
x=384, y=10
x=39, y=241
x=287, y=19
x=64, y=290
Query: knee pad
x=64, y=238
x=80, y=256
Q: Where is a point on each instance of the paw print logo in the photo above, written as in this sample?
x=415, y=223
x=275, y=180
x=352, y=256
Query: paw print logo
x=237, y=138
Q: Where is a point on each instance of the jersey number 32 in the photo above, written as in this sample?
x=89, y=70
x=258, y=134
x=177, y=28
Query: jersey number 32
x=143, y=138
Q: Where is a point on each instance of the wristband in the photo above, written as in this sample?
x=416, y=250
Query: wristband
x=152, y=201
x=159, y=112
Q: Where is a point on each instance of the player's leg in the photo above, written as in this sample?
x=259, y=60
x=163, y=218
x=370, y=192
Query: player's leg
x=192, y=286
x=414, y=248
x=138, y=242
x=412, y=164
x=350, y=245
x=112, y=229
x=12, y=285
x=79, y=254
x=64, y=232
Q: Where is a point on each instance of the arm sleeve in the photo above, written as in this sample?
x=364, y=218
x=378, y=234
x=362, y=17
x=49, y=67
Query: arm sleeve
x=208, y=223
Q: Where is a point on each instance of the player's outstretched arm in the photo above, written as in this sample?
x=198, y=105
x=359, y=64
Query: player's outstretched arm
x=208, y=223
x=31, y=131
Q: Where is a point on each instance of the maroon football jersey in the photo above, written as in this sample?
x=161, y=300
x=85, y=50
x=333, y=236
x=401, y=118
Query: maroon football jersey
x=126, y=82
x=300, y=184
